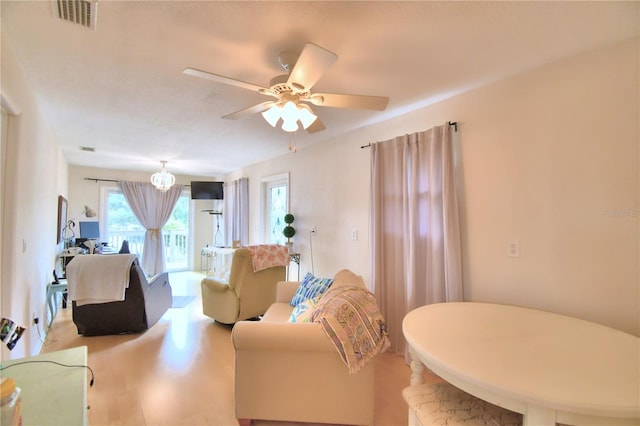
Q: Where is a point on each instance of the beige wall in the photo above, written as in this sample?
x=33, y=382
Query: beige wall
x=34, y=174
x=87, y=192
x=548, y=158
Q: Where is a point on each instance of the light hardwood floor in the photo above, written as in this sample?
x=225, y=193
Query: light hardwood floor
x=180, y=371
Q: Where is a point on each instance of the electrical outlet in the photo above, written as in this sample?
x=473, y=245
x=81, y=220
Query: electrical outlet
x=36, y=320
x=314, y=229
x=354, y=234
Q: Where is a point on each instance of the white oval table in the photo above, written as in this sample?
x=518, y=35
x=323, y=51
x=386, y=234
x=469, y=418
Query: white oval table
x=549, y=367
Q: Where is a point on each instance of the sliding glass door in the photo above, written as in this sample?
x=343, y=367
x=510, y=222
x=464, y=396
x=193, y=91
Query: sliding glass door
x=119, y=224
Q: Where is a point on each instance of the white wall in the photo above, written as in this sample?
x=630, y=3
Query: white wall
x=35, y=173
x=549, y=158
x=83, y=192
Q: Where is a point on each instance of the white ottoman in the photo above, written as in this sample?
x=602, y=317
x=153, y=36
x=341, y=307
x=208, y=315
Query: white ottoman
x=442, y=404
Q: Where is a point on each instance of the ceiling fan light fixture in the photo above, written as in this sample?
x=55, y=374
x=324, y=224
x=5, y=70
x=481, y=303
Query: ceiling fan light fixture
x=290, y=125
x=304, y=69
x=306, y=116
x=163, y=180
x=290, y=111
x=299, y=87
x=316, y=99
x=272, y=115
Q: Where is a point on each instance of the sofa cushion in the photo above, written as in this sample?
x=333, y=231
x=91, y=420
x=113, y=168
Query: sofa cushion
x=302, y=312
x=309, y=288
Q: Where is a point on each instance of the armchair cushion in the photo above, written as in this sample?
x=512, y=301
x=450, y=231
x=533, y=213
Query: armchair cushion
x=309, y=288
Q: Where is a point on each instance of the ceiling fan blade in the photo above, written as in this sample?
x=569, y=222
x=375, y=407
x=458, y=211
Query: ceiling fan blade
x=377, y=103
x=251, y=110
x=316, y=126
x=311, y=64
x=224, y=80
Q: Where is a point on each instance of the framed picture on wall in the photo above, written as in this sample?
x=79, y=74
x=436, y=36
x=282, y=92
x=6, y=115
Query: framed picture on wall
x=62, y=217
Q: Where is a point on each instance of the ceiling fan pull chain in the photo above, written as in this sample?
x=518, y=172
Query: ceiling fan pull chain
x=293, y=147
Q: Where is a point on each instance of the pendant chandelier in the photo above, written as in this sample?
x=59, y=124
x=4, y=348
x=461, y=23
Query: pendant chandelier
x=163, y=180
x=290, y=113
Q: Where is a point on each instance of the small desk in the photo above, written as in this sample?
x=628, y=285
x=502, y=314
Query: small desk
x=65, y=258
x=52, y=300
x=52, y=394
x=549, y=367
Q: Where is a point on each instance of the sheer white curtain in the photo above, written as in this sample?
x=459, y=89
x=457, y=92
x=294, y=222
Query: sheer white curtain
x=236, y=211
x=415, y=230
x=153, y=209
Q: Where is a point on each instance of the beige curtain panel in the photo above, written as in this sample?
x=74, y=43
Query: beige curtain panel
x=153, y=209
x=236, y=211
x=415, y=230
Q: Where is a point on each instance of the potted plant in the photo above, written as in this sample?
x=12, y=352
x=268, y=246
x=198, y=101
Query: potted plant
x=289, y=231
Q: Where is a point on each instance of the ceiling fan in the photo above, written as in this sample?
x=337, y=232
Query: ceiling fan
x=292, y=91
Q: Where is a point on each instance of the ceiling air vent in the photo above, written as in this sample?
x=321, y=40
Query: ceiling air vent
x=78, y=11
x=87, y=149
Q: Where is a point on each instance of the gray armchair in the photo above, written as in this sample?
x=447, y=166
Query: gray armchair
x=144, y=304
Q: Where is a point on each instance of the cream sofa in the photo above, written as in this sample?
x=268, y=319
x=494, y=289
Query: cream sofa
x=291, y=371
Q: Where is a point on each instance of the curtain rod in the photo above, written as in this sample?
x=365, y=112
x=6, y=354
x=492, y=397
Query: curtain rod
x=96, y=180
x=450, y=123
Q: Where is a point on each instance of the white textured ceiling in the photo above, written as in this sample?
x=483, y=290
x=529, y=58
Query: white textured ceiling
x=120, y=89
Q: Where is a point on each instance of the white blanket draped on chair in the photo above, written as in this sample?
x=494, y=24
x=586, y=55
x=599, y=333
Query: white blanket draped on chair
x=99, y=278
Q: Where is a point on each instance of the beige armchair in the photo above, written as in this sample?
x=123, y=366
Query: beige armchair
x=247, y=294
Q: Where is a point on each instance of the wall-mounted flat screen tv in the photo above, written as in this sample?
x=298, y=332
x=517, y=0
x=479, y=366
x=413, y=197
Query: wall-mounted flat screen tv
x=201, y=190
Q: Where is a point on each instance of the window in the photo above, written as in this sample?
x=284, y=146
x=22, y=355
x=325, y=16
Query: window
x=276, y=197
x=176, y=235
x=119, y=224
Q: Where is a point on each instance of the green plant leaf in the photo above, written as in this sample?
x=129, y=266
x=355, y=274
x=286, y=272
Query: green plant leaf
x=289, y=231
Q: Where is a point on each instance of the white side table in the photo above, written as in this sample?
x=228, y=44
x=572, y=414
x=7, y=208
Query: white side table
x=295, y=258
x=221, y=259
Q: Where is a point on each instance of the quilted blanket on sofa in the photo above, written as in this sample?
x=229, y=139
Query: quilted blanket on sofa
x=351, y=319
